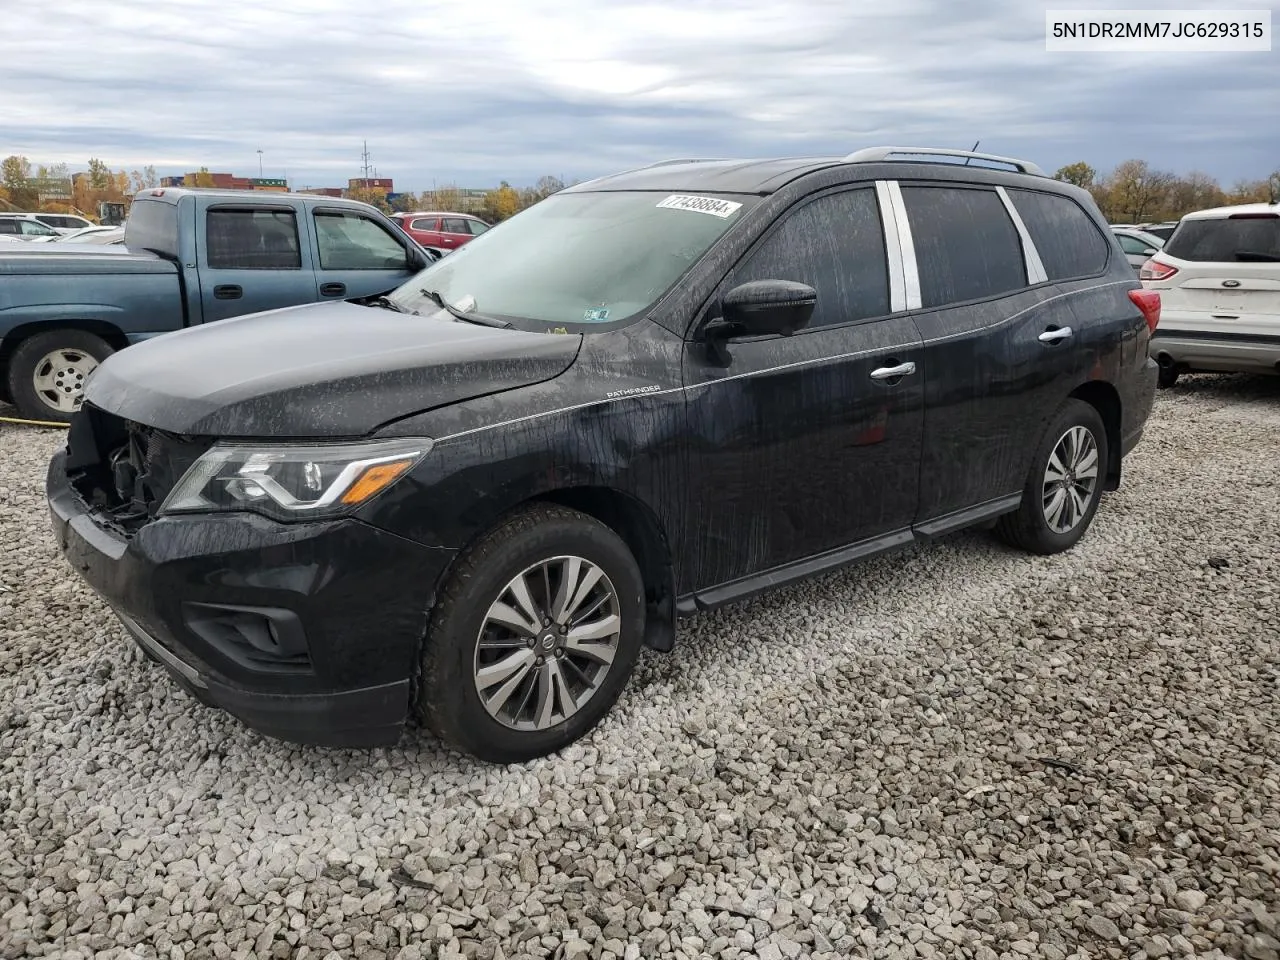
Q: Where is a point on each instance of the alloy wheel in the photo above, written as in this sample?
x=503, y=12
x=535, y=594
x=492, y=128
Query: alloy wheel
x=1070, y=479
x=547, y=643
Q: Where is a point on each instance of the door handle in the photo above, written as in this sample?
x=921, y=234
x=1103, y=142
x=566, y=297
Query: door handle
x=1053, y=336
x=889, y=373
x=332, y=289
x=227, y=291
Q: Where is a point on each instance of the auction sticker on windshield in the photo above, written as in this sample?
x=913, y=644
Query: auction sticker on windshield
x=712, y=205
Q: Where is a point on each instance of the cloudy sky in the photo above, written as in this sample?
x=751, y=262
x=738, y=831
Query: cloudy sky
x=473, y=91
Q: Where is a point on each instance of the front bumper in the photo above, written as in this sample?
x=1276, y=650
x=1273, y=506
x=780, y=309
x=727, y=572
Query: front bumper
x=347, y=602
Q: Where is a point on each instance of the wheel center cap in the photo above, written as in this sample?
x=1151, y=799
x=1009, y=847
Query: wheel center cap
x=548, y=641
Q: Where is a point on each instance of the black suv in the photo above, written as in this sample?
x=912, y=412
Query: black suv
x=648, y=395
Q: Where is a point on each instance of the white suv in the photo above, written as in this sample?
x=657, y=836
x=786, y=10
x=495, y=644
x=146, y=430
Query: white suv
x=1219, y=283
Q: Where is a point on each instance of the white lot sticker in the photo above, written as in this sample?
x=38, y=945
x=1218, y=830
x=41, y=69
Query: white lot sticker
x=711, y=205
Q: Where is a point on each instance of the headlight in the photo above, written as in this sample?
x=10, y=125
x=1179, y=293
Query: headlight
x=293, y=482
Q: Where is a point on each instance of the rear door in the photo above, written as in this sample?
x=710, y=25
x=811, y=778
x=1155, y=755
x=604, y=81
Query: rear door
x=1228, y=276
x=251, y=257
x=356, y=256
x=1003, y=348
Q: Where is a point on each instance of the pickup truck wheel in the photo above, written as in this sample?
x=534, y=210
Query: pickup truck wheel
x=533, y=636
x=47, y=372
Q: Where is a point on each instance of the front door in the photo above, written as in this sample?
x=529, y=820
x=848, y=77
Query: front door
x=251, y=258
x=356, y=256
x=807, y=443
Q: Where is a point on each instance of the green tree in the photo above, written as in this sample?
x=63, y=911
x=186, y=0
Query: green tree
x=101, y=178
x=15, y=174
x=1080, y=174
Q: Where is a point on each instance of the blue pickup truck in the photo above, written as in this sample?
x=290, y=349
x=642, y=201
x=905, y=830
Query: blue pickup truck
x=189, y=257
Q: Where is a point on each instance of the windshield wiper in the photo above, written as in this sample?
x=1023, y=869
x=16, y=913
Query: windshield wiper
x=386, y=303
x=435, y=297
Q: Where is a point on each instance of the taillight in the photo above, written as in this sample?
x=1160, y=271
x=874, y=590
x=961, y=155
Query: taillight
x=1148, y=301
x=1155, y=270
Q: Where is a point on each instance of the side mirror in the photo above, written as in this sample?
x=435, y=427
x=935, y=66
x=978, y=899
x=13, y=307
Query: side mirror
x=764, y=307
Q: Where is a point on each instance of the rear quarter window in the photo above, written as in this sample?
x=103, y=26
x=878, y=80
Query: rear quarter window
x=1069, y=243
x=1229, y=240
x=153, y=225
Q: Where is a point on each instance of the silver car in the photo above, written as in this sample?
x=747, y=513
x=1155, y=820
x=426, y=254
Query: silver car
x=1138, y=245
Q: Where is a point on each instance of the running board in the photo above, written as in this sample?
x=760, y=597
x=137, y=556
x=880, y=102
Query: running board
x=745, y=588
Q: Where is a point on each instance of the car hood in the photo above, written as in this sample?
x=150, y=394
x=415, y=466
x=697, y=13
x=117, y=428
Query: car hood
x=318, y=370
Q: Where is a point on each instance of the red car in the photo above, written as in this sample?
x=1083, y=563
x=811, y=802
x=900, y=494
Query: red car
x=447, y=231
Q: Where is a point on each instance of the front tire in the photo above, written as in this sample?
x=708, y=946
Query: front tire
x=535, y=634
x=1064, y=485
x=48, y=371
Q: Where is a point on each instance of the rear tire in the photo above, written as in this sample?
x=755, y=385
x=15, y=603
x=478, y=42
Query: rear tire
x=502, y=674
x=1064, y=485
x=47, y=372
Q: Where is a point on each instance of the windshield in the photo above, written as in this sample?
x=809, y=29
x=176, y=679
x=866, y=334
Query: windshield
x=577, y=258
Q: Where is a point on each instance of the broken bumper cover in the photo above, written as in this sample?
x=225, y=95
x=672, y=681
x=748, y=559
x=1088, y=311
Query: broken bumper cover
x=305, y=632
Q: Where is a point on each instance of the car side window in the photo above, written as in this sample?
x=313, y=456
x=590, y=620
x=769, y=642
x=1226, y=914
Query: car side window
x=477, y=227
x=967, y=247
x=425, y=224
x=455, y=225
x=9, y=226
x=836, y=245
x=33, y=228
x=252, y=239
x=1070, y=244
x=1129, y=244
x=349, y=241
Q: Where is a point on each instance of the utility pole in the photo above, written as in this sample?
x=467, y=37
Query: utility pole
x=259, y=164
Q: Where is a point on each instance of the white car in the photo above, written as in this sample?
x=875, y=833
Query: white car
x=94, y=234
x=1219, y=283
x=25, y=226
x=1138, y=245
x=64, y=223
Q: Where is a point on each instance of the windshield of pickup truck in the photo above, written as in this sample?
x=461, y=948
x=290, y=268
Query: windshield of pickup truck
x=577, y=258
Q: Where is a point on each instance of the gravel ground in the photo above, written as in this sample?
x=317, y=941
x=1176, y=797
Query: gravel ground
x=956, y=751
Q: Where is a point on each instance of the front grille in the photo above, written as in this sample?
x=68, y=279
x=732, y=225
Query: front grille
x=123, y=470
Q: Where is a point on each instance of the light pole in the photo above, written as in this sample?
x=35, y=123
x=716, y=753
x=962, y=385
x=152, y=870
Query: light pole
x=259, y=164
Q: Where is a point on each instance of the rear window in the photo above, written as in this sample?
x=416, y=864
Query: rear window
x=1230, y=240
x=153, y=225
x=1068, y=242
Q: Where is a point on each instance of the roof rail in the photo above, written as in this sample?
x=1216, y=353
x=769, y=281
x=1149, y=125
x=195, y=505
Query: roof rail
x=667, y=163
x=877, y=154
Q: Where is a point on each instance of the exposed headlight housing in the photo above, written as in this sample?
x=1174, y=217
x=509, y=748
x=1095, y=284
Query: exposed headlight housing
x=293, y=482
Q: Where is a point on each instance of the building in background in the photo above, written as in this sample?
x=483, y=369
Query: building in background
x=323, y=191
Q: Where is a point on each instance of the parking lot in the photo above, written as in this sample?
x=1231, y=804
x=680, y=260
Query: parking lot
x=958, y=750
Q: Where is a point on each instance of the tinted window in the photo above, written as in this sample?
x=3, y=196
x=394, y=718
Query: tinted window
x=455, y=225
x=251, y=239
x=966, y=245
x=835, y=244
x=9, y=226
x=1227, y=241
x=1069, y=243
x=348, y=241
x=1129, y=244
x=153, y=225
x=425, y=224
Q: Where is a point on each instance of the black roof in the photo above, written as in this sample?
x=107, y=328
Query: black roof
x=717, y=176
